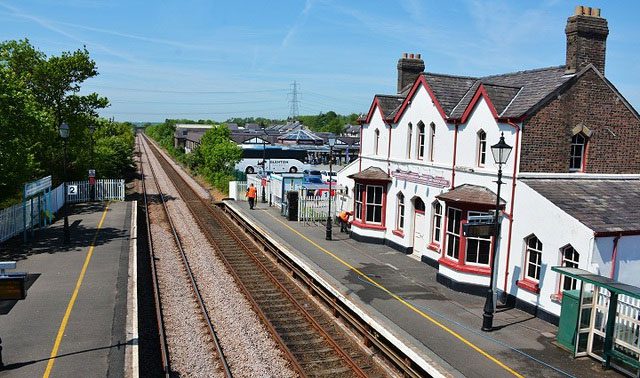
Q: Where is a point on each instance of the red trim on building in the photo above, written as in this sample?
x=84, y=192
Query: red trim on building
x=434, y=246
x=512, y=202
x=614, y=256
x=368, y=225
x=399, y=233
x=420, y=81
x=527, y=285
x=480, y=92
x=455, y=265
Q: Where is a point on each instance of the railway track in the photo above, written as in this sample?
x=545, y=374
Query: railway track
x=308, y=335
x=195, y=291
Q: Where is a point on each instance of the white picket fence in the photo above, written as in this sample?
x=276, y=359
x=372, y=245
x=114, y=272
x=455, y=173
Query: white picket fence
x=105, y=190
x=15, y=219
x=314, y=208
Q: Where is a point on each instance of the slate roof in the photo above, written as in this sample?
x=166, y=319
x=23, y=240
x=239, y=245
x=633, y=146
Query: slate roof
x=371, y=173
x=605, y=206
x=389, y=104
x=470, y=194
x=513, y=94
x=449, y=89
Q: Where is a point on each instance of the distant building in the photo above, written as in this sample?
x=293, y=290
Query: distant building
x=183, y=129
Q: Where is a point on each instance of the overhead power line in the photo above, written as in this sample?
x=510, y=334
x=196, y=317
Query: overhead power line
x=186, y=92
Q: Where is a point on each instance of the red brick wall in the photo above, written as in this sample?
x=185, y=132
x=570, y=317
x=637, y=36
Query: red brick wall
x=546, y=139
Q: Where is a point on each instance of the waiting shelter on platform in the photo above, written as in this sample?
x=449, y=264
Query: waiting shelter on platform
x=601, y=320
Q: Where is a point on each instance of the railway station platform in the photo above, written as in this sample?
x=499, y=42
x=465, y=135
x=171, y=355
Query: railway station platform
x=401, y=297
x=76, y=304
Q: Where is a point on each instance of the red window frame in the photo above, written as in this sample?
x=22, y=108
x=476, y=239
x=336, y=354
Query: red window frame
x=360, y=220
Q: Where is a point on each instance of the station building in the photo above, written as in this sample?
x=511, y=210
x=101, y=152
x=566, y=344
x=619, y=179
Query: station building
x=572, y=182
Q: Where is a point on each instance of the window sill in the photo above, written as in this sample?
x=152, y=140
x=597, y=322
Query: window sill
x=398, y=233
x=434, y=247
x=527, y=285
x=457, y=266
x=556, y=298
x=370, y=226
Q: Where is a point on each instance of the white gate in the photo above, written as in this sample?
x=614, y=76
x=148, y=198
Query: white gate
x=105, y=190
x=313, y=207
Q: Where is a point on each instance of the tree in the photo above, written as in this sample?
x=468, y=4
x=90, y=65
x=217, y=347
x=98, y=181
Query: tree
x=219, y=155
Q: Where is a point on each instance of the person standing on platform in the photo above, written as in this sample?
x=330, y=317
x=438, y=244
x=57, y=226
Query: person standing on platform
x=252, y=192
x=344, y=220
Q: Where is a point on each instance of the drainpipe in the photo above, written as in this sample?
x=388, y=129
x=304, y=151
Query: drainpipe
x=511, y=205
x=360, y=152
x=455, y=149
x=614, y=255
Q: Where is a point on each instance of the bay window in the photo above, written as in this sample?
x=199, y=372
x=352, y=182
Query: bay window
x=453, y=232
x=374, y=204
x=357, y=193
x=478, y=249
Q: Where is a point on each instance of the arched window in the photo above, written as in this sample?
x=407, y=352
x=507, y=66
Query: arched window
x=454, y=217
x=578, y=148
x=570, y=259
x=432, y=140
x=376, y=141
x=533, y=258
x=409, y=140
x=400, y=212
x=482, y=148
x=418, y=204
x=421, y=140
x=436, y=222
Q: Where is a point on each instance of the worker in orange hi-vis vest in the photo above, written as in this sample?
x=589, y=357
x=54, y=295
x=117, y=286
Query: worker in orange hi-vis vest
x=252, y=192
x=344, y=220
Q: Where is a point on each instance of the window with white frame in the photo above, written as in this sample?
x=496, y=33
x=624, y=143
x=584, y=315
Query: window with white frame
x=376, y=141
x=374, y=204
x=400, y=212
x=436, y=222
x=453, y=232
x=357, y=194
x=421, y=140
x=432, y=140
x=578, y=148
x=478, y=249
x=570, y=259
x=482, y=148
x=409, y=140
x=533, y=258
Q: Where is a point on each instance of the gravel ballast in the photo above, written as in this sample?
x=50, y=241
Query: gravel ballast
x=248, y=347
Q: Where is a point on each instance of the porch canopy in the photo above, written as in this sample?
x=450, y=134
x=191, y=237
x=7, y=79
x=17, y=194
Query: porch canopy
x=622, y=318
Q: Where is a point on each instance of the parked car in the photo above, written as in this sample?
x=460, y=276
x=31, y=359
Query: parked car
x=312, y=176
x=326, y=175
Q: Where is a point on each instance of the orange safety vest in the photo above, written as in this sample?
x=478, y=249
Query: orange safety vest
x=251, y=192
x=344, y=216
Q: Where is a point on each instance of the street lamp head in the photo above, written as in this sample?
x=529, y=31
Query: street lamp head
x=501, y=151
x=64, y=130
x=332, y=142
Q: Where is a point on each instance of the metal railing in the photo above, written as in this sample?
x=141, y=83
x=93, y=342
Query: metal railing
x=313, y=205
x=105, y=190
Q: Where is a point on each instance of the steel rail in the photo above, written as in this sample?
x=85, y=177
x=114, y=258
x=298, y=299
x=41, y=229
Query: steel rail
x=194, y=284
x=164, y=347
x=310, y=319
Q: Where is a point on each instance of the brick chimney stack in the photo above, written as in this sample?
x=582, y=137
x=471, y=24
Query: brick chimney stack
x=410, y=66
x=586, y=39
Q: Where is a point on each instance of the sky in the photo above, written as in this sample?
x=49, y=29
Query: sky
x=216, y=60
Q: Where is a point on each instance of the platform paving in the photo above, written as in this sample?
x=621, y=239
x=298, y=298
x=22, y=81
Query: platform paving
x=94, y=340
x=424, y=315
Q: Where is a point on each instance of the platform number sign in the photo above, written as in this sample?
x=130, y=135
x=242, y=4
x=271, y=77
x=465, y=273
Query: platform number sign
x=72, y=190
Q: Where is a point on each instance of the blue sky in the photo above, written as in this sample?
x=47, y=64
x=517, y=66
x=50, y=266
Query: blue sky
x=221, y=59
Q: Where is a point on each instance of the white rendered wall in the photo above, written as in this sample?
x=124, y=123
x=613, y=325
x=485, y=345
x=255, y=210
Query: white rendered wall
x=627, y=259
x=534, y=214
x=368, y=136
x=422, y=108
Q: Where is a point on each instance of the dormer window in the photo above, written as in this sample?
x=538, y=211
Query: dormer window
x=578, y=150
x=482, y=148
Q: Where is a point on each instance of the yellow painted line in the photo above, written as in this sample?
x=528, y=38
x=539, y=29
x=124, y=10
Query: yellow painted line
x=72, y=301
x=407, y=304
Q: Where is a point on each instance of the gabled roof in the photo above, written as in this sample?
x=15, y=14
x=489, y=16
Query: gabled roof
x=386, y=104
x=448, y=89
x=470, y=194
x=606, y=206
x=371, y=173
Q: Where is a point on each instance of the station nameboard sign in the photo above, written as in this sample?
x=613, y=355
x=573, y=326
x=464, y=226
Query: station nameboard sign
x=418, y=178
x=37, y=186
x=12, y=287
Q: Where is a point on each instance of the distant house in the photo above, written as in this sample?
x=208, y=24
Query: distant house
x=183, y=129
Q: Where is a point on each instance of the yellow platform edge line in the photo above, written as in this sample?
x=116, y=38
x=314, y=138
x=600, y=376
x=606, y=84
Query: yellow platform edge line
x=72, y=301
x=405, y=303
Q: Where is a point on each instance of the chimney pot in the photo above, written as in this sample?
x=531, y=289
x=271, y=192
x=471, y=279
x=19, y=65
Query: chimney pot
x=418, y=56
x=404, y=55
x=410, y=66
x=579, y=10
x=595, y=12
x=411, y=56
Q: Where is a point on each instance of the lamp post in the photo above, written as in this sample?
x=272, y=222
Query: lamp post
x=64, y=134
x=264, y=163
x=92, y=192
x=332, y=142
x=500, y=151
